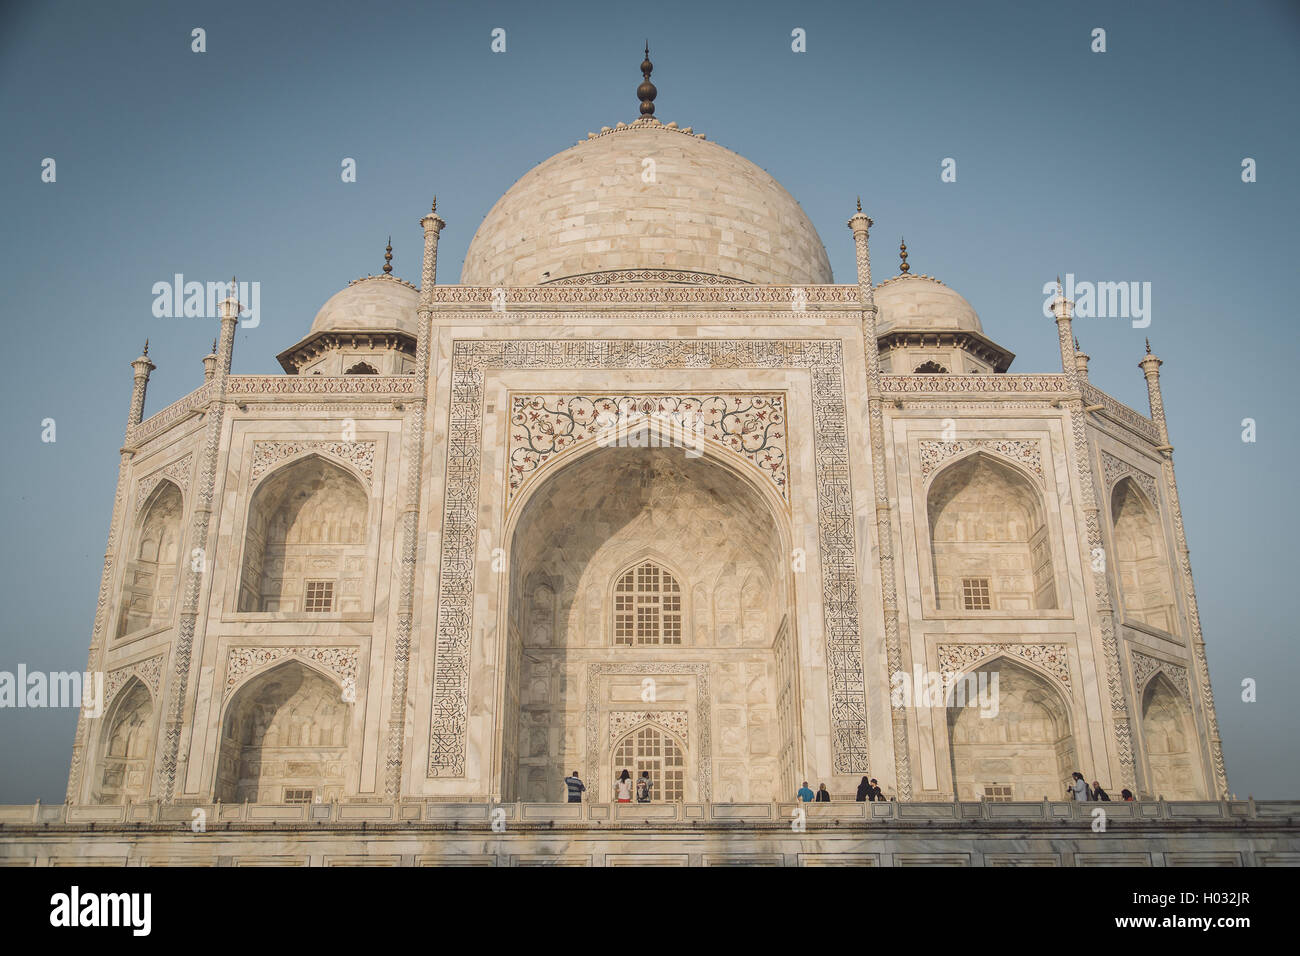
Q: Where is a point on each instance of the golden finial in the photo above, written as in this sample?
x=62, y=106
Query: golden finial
x=902, y=255
x=1148, y=346
x=1076, y=344
x=388, y=257
x=146, y=347
x=646, y=92
x=435, y=205
x=214, y=346
x=859, y=204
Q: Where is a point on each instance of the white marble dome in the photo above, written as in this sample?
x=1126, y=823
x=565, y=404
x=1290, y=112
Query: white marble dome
x=381, y=303
x=922, y=303
x=587, y=216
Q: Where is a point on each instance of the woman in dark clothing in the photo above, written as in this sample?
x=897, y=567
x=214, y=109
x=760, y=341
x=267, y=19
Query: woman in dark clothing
x=823, y=795
x=1127, y=795
x=865, y=791
x=1098, y=793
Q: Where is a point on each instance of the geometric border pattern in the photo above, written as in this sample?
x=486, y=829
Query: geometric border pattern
x=178, y=471
x=958, y=658
x=823, y=358
x=1145, y=667
x=359, y=454
x=748, y=424
x=1113, y=469
x=149, y=671
x=1026, y=453
x=242, y=660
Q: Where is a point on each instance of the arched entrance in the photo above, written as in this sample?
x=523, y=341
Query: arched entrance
x=1173, y=751
x=649, y=749
x=284, y=738
x=1024, y=750
x=989, y=540
x=648, y=583
x=1143, y=571
x=125, y=747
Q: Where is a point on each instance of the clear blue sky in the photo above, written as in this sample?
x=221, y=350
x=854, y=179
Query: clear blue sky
x=1116, y=166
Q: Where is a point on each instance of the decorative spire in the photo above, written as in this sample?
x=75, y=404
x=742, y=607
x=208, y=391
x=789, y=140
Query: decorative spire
x=388, y=257
x=214, y=346
x=1148, y=346
x=1076, y=343
x=146, y=347
x=646, y=92
x=434, y=207
x=859, y=204
x=902, y=256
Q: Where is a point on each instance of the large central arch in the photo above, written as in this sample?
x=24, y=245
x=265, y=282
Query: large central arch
x=649, y=583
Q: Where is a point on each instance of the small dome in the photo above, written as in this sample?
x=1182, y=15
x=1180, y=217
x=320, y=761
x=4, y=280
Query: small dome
x=601, y=212
x=922, y=303
x=373, y=304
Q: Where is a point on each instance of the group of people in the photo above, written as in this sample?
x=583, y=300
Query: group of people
x=624, y=787
x=1078, y=789
x=868, y=790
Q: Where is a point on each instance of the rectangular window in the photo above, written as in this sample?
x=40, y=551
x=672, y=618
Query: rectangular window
x=319, y=598
x=975, y=594
x=298, y=794
x=998, y=793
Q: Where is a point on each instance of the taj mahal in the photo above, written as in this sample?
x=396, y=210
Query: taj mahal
x=646, y=487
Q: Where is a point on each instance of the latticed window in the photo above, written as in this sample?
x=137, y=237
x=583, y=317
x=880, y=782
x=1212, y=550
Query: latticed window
x=298, y=795
x=647, y=607
x=319, y=598
x=975, y=594
x=998, y=793
x=651, y=749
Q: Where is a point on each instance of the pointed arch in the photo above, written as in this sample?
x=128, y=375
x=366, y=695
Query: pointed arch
x=649, y=605
x=152, y=572
x=990, y=545
x=1174, y=768
x=125, y=746
x=362, y=368
x=284, y=737
x=1013, y=739
x=651, y=747
x=1141, y=560
x=306, y=540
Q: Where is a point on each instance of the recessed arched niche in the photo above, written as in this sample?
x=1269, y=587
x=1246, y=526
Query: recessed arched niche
x=648, y=564
x=989, y=542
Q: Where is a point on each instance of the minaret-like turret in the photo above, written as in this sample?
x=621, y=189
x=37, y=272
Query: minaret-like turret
x=143, y=366
x=433, y=225
x=210, y=363
x=1063, y=309
x=229, y=321
x=1150, y=366
x=1081, y=359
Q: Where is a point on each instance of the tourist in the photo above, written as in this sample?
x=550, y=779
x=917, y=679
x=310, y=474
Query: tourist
x=1079, y=787
x=876, y=793
x=575, y=787
x=804, y=793
x=1098, y=793
x=1126, y=795
x=643, y=787
x=623, y=787
x=865, y=792
x=823, y=795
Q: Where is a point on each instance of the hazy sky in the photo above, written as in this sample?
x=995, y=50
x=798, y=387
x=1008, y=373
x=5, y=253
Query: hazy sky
x=1115, y=166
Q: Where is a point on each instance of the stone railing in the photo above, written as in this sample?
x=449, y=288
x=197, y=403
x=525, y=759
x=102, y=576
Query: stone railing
x=473, y=815
x=160, y=421
x=383, y=387
x=1046, y=384
x=640, y=294
x=1120, y=413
